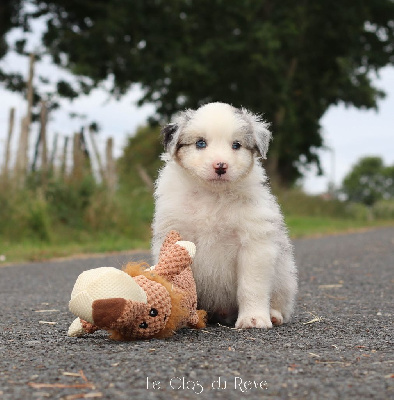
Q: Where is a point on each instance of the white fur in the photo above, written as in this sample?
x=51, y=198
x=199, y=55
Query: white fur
x=244, y=259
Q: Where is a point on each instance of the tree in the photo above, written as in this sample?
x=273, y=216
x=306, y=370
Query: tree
x=288, y=60
x=10, y=17
x=369, y=181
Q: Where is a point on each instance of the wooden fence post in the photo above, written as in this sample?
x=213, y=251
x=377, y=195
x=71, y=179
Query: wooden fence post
x=21, y=156
x=36, y=152
x=44, y=148
x=97, y=154
x=110, y=166
x=78, y=158
x=145, y=177
x=8, y=144
x=41, y=142
x=63, y=168
x=23, y=148
x=53, y=153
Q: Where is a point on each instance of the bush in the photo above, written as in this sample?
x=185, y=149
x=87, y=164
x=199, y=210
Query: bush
x=135, y=212
x=14, y=214
x=64, y=210
x=38, y=218
x=359, y=212
x=102, y=212
x=296, y=202
x=369, y=181
x=383, y=209
x=142, y=152
x=68, y=200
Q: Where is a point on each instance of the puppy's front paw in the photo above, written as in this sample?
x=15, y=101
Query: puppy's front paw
x=253, y=321
x=276, y=317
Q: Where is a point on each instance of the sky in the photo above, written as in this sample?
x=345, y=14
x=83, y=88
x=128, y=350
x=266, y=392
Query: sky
x=348, y=133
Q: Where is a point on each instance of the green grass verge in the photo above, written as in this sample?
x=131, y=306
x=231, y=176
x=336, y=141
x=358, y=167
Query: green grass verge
x=33, y=250
x=300, y=227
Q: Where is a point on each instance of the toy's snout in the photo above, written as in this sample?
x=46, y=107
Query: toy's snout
x=106, y=312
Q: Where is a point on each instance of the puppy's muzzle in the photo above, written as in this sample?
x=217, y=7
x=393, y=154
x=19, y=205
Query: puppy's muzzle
x=220, y=168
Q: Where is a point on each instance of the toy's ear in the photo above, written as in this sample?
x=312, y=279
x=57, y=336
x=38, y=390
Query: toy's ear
x=260, y=134
x=171, y=238
x=102, y=283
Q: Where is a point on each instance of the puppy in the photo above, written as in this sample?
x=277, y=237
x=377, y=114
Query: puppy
x=213, y=190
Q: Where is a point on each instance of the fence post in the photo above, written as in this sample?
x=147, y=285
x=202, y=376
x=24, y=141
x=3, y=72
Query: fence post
x=23, y=147
x=41, y=142
x=78, y=158
x=145, y=177
x=44, y=148
x=53, y=153
x=97, y=154
x=36, y=151
x=8, y=144
x=110, y=165
x=63, y=167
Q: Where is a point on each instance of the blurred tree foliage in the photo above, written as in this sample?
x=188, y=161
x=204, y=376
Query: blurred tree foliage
x=10, y=12
x=289, y=60
x=10, y=17
x=369, y=181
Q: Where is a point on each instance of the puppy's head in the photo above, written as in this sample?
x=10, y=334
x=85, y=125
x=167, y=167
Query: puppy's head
x=216, y=143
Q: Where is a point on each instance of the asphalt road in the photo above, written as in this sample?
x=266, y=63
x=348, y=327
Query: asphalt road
x=339, y=344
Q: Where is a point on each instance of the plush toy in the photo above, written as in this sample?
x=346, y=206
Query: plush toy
x=139, y=302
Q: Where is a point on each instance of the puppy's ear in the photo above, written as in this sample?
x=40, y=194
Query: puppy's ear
x=262, y=136
x=168, y=134
x=172, y=132
x=259, y=131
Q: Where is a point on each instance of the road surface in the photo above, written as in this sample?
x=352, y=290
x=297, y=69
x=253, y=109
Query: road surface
x=339, y=344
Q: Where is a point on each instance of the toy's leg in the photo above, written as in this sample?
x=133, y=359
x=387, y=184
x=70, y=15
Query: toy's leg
x=79, y=327
x=199, y=320
x=174, y=260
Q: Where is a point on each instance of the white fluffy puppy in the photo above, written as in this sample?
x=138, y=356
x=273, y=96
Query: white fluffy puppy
x=213, y=191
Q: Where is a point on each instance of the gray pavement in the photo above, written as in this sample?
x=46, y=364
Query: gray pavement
x=339, y=344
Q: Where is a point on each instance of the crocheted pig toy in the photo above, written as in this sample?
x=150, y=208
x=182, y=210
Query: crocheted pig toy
x=139, y=302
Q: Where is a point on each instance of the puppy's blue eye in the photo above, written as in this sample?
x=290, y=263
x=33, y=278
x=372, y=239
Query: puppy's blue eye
x=201, y=144
x=236, y=145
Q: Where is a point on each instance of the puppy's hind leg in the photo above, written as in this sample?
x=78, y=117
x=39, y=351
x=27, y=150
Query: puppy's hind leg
x=283, y=295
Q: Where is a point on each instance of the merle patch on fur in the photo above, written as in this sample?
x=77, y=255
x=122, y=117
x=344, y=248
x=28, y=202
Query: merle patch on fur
x=168, y=133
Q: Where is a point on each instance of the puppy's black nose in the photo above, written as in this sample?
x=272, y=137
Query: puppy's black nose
x=220, y=168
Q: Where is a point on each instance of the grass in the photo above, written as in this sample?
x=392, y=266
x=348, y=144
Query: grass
x=35, y=250
x=301, y=227
x=72, y=219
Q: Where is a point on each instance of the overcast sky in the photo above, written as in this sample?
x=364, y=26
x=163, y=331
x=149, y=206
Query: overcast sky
x=349, y=133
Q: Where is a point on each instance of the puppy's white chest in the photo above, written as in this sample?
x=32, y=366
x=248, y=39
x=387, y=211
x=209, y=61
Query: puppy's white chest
x=214, y=216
